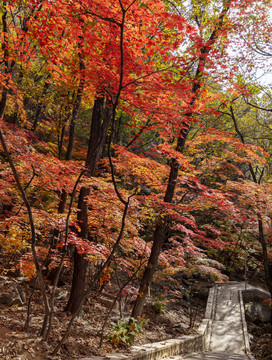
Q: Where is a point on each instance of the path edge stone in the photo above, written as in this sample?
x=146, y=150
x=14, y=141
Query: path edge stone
x=244, y=326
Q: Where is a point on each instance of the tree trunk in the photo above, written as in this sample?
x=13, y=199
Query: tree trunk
x=75, y=112
x=3, y=102
x=101, y=118
x=160, y=231
x=62, y=202
x=158, y=239
x=80, y=264
x=61, y=138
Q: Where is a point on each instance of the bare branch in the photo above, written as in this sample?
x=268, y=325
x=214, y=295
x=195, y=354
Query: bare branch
x=256, y=106
x=31, y=221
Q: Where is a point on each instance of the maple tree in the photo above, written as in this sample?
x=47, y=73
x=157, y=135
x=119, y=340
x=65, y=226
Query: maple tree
x=205, y=46
x=132, y=92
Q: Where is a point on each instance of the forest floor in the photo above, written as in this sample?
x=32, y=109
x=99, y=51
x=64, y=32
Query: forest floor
x=164, y=321
x=261, y=340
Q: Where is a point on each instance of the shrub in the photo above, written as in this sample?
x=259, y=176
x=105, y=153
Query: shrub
x=125, y=330
x=159, y=304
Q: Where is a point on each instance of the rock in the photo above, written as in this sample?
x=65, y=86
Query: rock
x=106, y=301
x=257, y=312
x=14, y=297
x=180, y=326
x=3, y=278
x=17, y=301
x=256, y=295
x=61, y=295
x=183, y=320
x=21, y=292
x=6, y=299
x=94, y=358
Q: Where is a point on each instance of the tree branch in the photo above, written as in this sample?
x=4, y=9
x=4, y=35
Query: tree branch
x=31, y=221
x=256, y=106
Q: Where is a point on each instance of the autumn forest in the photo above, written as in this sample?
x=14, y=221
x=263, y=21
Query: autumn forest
x=135, y=145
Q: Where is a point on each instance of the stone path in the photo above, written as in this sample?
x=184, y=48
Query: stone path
x=215, y=356
x=226, y=337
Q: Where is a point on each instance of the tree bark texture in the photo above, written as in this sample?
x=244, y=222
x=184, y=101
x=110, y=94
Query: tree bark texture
x=75, y=112
x=80, y=264
x=158, y=239
x=101, y=117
